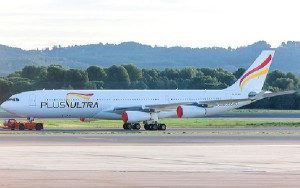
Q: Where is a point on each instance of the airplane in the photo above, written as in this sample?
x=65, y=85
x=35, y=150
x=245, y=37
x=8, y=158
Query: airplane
x=147, y=106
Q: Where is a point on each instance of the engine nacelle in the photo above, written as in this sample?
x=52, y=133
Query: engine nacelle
x=87, y=119
x=190, y=111
x=135, y=116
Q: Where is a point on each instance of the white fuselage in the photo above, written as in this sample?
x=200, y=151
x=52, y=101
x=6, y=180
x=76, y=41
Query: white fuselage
x=101, y=104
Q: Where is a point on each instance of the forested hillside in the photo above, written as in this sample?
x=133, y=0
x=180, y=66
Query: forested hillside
x=131, y=77
x=105, y=55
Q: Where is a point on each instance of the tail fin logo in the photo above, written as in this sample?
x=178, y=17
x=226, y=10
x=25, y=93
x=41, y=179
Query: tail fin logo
x=79, y=95
x=256, y=72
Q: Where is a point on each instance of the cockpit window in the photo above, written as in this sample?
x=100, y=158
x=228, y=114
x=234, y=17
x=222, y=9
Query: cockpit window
x=14, y=99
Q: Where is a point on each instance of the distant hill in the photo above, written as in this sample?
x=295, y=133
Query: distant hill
x=287, y=57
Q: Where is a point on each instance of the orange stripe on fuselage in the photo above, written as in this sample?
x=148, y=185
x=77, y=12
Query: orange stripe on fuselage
x=262, y=65
x=79, y=95
x=263, y=72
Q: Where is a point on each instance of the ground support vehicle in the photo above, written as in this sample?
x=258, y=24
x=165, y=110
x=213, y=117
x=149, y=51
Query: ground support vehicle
x=14, y=125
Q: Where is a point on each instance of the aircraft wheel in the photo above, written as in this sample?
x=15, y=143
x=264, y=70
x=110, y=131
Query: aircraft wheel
x=21, y=127
x=136, y=126
x=154, y=127
x=127, y=126
x=147, y=127
x=162, y=127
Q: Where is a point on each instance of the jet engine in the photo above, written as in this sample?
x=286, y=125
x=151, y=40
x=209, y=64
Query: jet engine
x=190, y=111
x=135, y=116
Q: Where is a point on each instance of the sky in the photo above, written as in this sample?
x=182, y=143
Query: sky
x=32, y=24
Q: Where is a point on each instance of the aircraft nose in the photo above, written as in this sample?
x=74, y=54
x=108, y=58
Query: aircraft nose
x=4, y=106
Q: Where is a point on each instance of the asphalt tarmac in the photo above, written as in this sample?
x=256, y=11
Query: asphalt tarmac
x=96, y=137
x=105, y=158
x=178, y=157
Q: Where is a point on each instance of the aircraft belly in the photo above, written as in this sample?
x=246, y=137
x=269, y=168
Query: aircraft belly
x=108, y=115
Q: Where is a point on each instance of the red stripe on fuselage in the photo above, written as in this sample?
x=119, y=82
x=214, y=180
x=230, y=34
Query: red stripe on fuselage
x=266, y=62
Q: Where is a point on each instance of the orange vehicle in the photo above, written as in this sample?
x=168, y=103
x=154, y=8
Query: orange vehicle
x=14, y=125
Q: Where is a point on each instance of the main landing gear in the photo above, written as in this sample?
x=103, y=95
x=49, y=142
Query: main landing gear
x=155, y=126
x=152, y=126
x=129, y=126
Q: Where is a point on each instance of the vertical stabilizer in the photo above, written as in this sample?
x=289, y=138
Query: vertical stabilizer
x=254, y=78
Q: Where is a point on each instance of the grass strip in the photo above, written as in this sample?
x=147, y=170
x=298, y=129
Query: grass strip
x=192, y=123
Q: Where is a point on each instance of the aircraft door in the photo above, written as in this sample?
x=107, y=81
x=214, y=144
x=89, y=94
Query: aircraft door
x=32, y=100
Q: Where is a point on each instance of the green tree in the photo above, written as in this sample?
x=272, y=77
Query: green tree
x=55, y=73
x=205, y=82
x=171, y=74
x=273, y=76
x=225, y=77
x=238, y=73
x=118, y=77
x=76, y=78
x=5, y=86
x=94, y=85
x=133, y=72
x=34, y=73
x=20, y=85
x=188, y=73
x=284, y=83
x=96, y=73
x=150, y=74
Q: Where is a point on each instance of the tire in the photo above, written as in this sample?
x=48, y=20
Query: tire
x=147, y=127
x=162, y=127
x=154, y=127
x=39, y=126
x=125, y=126
x=21, y=127
x=137, y=126
x=129, y=126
